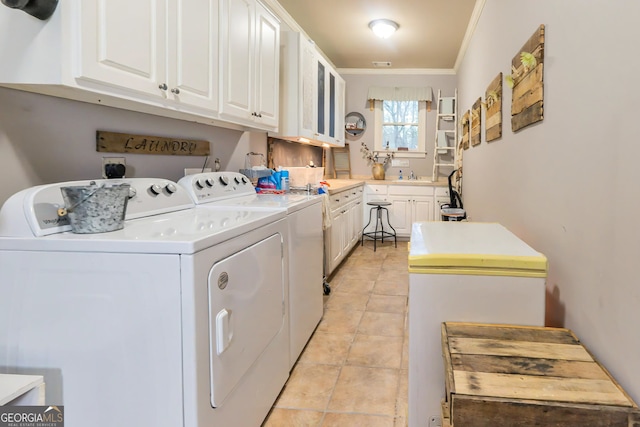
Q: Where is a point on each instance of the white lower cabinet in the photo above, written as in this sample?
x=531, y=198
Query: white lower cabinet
x=346, y=226
x=409, y=204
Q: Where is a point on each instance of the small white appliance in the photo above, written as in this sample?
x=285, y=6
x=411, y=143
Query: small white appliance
x=215, y=190
x=178, y=319
x=466, y=272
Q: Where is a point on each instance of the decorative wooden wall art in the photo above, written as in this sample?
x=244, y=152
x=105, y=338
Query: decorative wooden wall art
x=112, y=142
x=476, y=121
x=493, y=115
x=528, y=94
x=464, y=123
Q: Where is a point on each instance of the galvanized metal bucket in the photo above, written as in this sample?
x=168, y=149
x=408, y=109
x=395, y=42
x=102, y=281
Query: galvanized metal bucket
x=95, y=209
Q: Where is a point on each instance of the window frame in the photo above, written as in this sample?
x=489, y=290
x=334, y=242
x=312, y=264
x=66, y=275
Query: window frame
x=379, y=144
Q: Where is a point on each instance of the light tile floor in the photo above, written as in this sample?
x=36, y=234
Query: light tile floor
x=353, y=371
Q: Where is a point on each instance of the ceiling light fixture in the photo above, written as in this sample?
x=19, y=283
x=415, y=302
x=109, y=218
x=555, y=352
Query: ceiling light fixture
x=383, y=28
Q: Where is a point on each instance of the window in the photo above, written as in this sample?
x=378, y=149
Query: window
x=400, y=126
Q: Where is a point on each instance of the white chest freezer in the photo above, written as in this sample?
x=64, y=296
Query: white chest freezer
x=467, y=272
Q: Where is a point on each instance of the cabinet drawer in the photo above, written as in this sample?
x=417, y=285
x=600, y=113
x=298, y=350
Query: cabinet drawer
x=410, y=190
x=442, y=192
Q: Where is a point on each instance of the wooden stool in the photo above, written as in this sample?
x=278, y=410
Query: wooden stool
x=379, y=207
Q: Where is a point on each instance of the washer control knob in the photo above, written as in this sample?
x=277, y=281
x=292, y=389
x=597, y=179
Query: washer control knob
x=199, y=184
x=132, y=192
x=209, y=182
x=171, y=188
x=245, y=180
x=237, y=180
x=224, y=180
x=155, y=189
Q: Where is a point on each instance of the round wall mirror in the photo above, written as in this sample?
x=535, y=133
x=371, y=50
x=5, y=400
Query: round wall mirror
x=354, y=123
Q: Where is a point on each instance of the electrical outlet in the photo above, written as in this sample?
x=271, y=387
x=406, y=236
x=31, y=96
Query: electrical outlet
x=400, y=163
x=193, y=171
x=113, y=167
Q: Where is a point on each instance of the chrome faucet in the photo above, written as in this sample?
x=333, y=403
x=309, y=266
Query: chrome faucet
x=412, y=176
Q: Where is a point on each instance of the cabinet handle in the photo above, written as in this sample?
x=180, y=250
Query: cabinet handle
x=163, y=86
x=175, y=90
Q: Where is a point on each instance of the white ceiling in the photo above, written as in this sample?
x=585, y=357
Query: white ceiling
x=430, y=35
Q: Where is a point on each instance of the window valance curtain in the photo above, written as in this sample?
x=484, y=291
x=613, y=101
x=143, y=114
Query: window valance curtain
x=400, y=94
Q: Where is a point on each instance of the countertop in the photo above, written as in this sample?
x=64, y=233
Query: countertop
x=337, y=185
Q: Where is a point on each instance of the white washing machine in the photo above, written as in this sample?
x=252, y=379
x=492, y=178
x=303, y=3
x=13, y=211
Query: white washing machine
x=178, y=319
x=304, y=219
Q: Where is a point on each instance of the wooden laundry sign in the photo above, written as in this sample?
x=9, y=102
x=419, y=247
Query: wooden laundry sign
x=112, y=142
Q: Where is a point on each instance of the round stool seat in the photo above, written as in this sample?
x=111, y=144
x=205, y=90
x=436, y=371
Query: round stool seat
x=378, y=203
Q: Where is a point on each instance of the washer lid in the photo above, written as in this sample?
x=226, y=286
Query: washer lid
x=183, y=232
x=288, y=202
x=448, y=247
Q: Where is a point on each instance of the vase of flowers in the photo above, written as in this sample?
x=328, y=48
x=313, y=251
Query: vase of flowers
x=378, y=170
x=378, y=162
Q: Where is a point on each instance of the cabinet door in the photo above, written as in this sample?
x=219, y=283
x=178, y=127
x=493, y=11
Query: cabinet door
x=237, y=36
x=267, y=68
x=400, y=213
x=422, y=209
x=321, y=99
x=193, y=53
x=124, y=44
x=337, y=230
x=309, y=89
x=339, y=111
x=356, y=218
x=347, y=231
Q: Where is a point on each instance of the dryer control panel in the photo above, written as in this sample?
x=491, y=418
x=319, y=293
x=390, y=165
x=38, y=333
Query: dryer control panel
x=213, y=186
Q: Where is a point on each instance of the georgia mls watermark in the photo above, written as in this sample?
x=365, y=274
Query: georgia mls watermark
x=31, y=416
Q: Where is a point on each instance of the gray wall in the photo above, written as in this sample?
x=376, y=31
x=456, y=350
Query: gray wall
x=567, y=185
x=45, y=139
x=357, y=87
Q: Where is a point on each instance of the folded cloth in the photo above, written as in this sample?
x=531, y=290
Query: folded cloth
x=442, y=141
x=326, y=211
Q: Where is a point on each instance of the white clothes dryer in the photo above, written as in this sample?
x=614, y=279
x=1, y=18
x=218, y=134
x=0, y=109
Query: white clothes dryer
x=178, y=319
x=214, y=190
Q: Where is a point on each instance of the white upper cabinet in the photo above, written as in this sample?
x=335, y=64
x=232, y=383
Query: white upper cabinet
x=208, y=61
x=330, y=104
x=132, y=59
x=250, y=51
x=193, y=52
x=164, y=49
x=312, y=95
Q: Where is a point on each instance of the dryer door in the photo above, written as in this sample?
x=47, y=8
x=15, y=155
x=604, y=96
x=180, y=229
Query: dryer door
x=246, y=311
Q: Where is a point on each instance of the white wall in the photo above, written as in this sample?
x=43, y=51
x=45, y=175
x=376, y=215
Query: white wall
x=357, y=88
x=567, y=185
x=46, y=139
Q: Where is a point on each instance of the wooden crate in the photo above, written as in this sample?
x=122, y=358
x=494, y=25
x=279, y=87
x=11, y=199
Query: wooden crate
x=503, y=375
